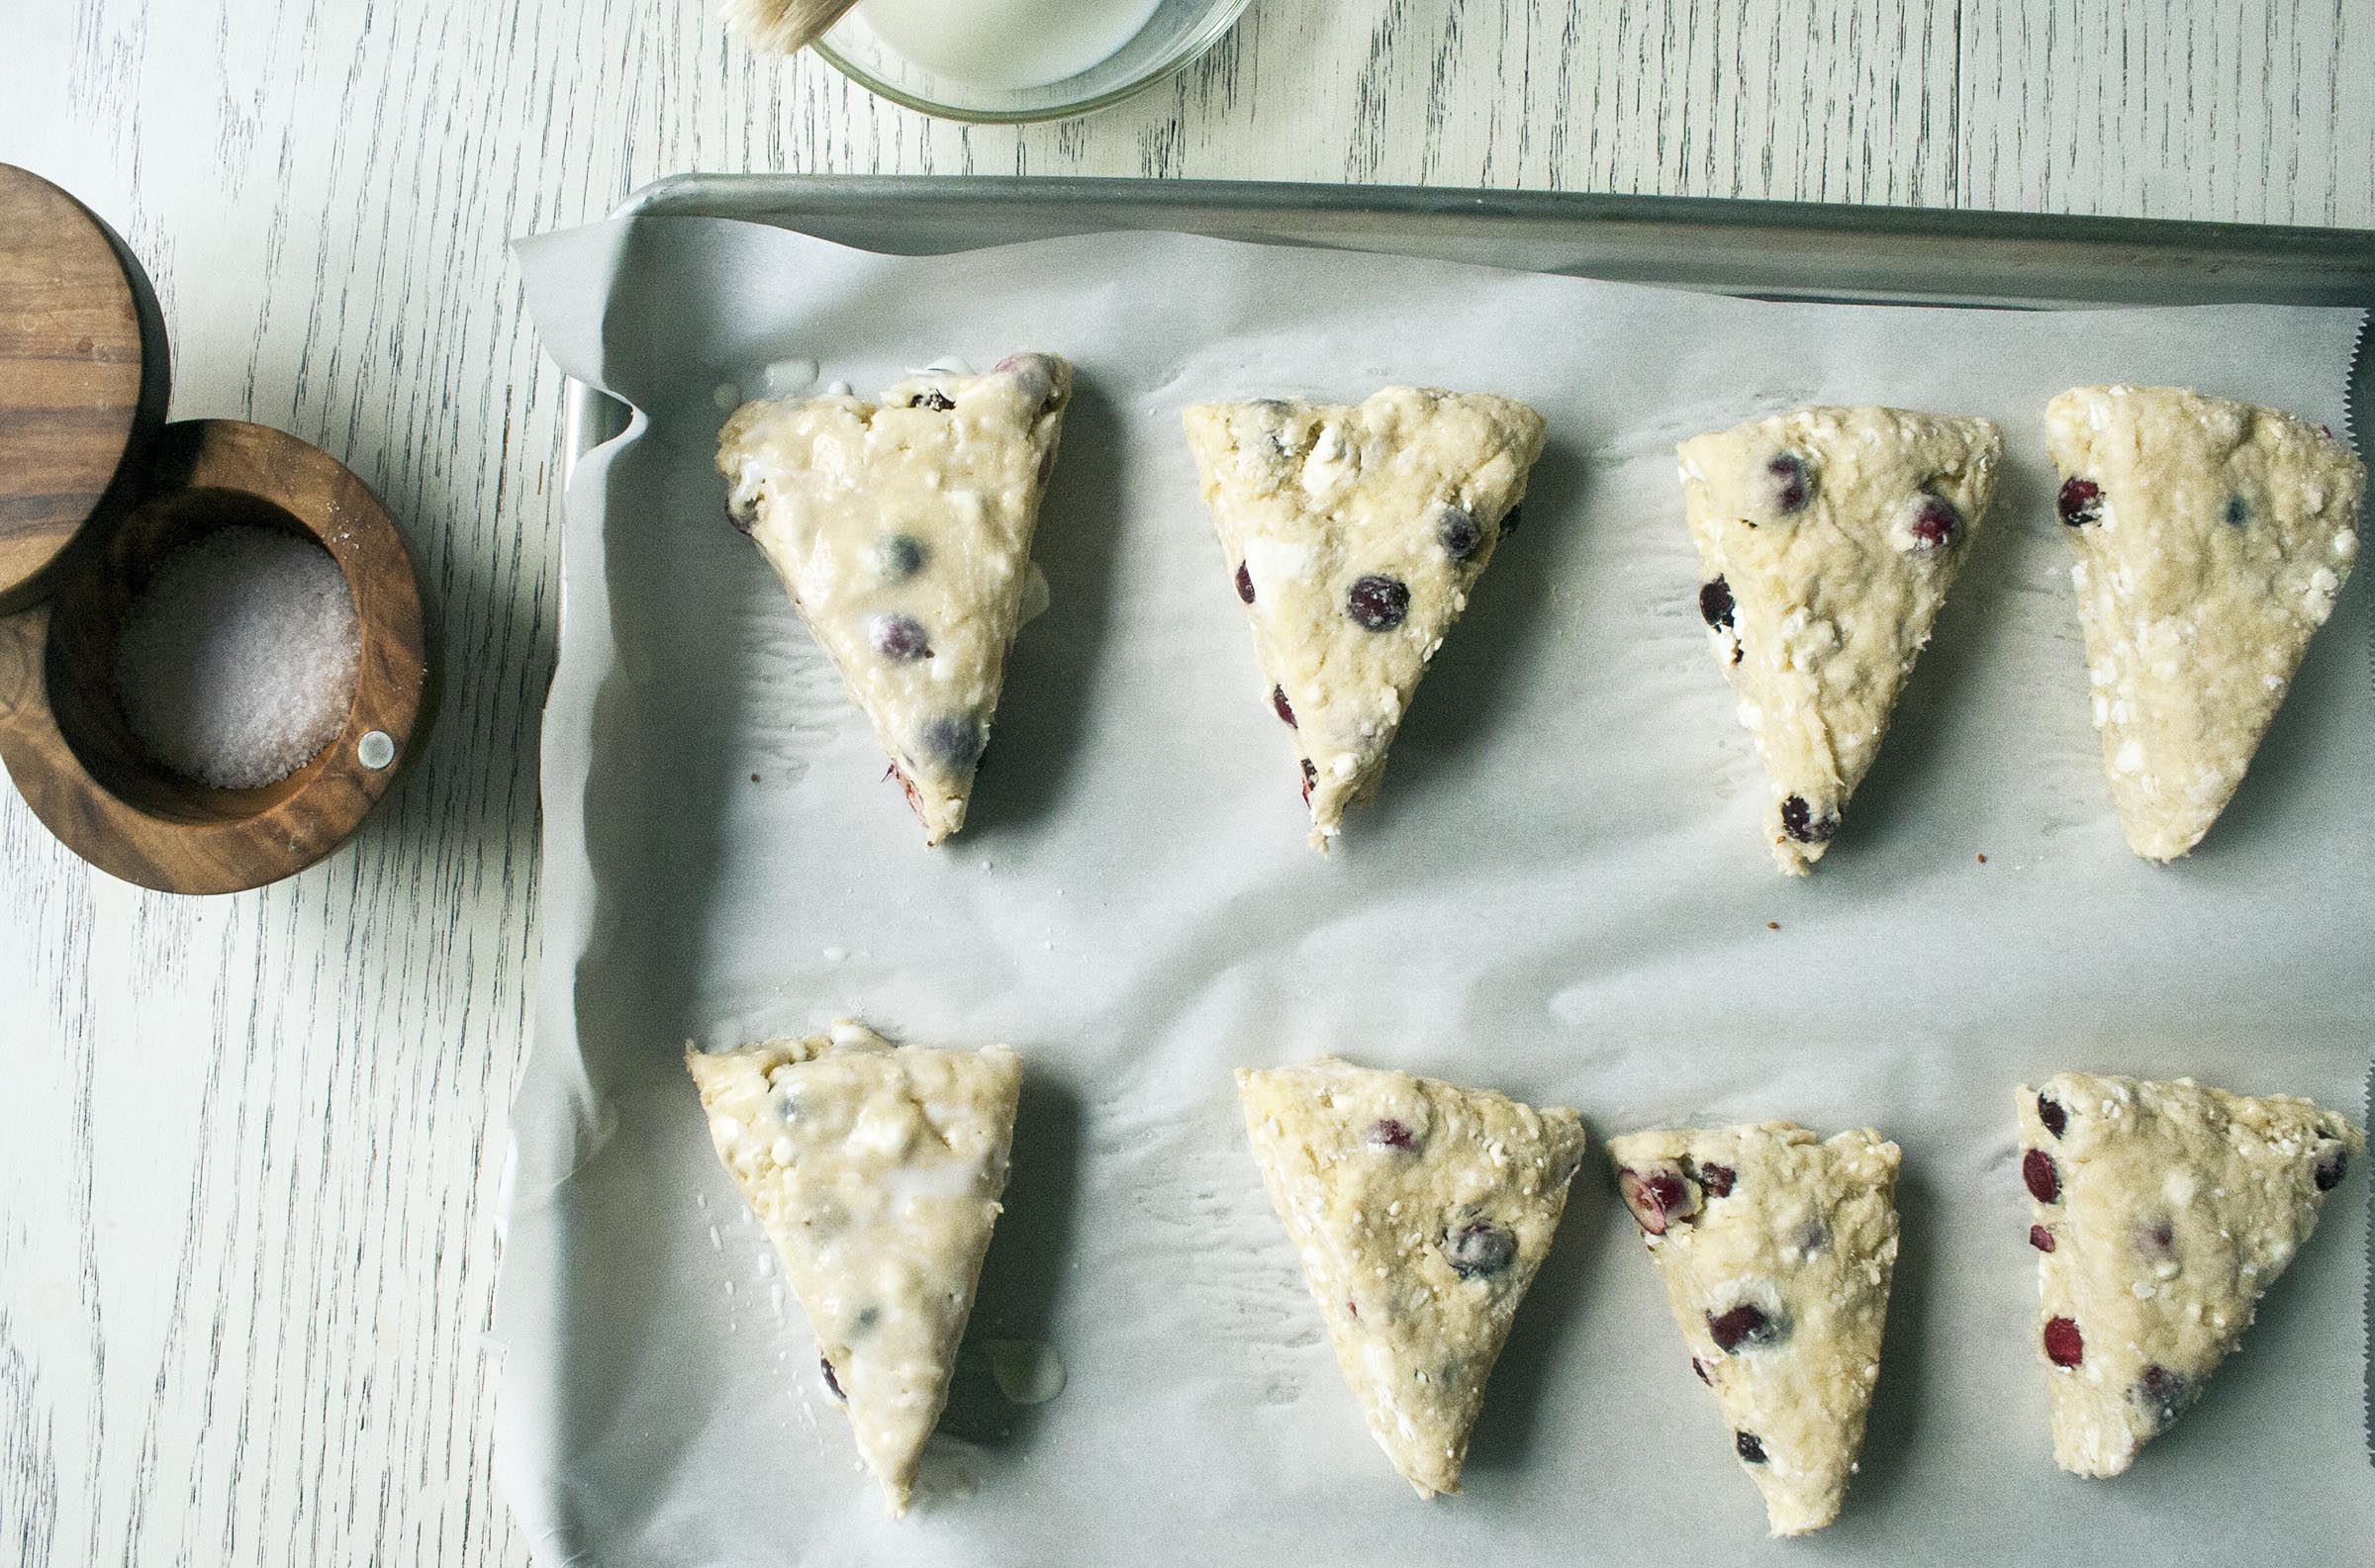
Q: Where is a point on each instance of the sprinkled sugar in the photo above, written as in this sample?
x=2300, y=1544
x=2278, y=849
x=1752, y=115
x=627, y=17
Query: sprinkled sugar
x=237, y=663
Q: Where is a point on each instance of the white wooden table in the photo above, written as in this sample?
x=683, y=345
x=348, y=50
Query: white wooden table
x=249, y=1146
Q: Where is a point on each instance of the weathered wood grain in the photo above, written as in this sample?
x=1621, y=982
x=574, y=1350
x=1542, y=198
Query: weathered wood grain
x=250, y=1144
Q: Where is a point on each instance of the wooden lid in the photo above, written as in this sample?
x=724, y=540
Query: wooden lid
x=83, y=375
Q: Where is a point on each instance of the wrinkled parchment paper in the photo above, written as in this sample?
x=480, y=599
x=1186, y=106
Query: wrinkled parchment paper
x=1564, y=894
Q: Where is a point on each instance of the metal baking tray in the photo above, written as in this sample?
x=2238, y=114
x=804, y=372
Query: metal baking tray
x=1801, y=250
x=1804, y=250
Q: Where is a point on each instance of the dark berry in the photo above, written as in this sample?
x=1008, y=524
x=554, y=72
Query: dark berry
x=1700, y=1367
x=1391, y=1134
x=1799, y=822
x=2043, y=1176
x=1459, y=533
x=1718, y=1179
x=2040, y=1239
x=1745, y=1324
x=2053, y=1114
x=899, y=556
x=1310, y=777
x=1377, y=603
x=1793, y=481
x=935, y=399
x=1479, y=1248
x=954, y=742
x=2164, y=1395
x=2080, y=502
x=1285, y=709
x=2238, y=512
x=1935, y=520
x=1658, y=1196
x=1245, y=584
x=1750, y=1448
x=2065, y=1345
x=899, y=638
x=832, y=1381
x=2330, y=1168
x=1715, y=604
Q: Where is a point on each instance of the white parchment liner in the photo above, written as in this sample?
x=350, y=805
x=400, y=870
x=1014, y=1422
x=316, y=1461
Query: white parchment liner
x=1562, y=894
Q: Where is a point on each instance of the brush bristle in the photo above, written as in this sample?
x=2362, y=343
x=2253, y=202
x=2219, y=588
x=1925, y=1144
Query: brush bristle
x=782, y=27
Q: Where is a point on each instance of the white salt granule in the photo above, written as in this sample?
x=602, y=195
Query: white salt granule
x=235, y=664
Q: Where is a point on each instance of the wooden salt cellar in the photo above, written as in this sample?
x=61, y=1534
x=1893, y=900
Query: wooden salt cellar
x=95, y=489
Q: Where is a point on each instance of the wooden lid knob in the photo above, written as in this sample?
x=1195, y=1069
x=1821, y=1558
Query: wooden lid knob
x=82, y=376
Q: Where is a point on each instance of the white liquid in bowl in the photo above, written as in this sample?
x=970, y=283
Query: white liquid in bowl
x=1007, y=44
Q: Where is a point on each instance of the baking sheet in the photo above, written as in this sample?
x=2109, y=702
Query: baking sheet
x=1562, y=894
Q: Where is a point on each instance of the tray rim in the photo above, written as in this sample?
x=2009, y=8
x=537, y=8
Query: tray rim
x=2231, y=261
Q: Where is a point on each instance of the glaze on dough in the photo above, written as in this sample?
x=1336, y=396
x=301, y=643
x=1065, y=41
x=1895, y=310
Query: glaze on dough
x=876, y=1171
x=1829, y=537
x=903, y=531
x=1355, y=537
x=2162, y=1211
x=1776, y=1249
x=1420, y=1211
x=2212, y=538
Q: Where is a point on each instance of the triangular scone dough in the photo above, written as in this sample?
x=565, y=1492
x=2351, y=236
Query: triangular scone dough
x=1421, y=1211
x=875, y=1171
x=2213, y=537
x=1776, y=1249
x=2163, y=1211
x=1355, y=537
x=904, y=532
x=1829, y=537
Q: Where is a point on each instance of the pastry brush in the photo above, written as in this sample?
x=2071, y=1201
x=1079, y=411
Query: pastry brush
x=782, y=27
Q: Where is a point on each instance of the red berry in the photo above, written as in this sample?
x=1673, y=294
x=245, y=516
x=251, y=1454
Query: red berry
x=1743, y=1324
x=1700, y=1367
x=2044, y=1178
x=1391, y=1134
x=1718, y=1179
x=2080, y=500
x=1283, y=709
x=1935, y=520
x=2040, y=1239
x=2065, y=1345
x=1659, y=1196
x=1245, y=584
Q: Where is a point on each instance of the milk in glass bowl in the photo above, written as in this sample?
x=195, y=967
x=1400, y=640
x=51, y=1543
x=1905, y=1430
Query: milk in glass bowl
x=1002, y=60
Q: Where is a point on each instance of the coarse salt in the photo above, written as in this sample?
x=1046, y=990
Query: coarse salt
x=236, y=664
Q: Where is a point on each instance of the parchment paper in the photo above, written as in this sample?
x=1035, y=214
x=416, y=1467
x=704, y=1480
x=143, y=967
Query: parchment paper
x=1562, y=894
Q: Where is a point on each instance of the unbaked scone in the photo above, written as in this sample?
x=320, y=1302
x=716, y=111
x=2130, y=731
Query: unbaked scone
x=1776, y=1249
x=2162, y=1212
x=1828, y=539
x=1420, y=1211
x=903, y=531
x=876, y=1171
x=1355, y=537
x=2212, y=538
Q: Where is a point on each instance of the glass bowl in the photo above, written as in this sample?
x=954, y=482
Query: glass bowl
x=1179, y=31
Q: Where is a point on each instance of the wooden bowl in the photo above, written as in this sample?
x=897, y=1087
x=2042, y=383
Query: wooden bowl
x=63, y=732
